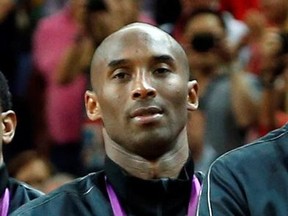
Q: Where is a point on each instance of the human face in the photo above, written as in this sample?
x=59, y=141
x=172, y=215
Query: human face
x=205, y=23
x=141, y=90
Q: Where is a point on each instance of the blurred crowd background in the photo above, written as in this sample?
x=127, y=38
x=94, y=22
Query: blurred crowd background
x=237, y=52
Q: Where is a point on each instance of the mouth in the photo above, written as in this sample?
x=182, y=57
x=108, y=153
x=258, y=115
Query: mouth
x=147, y=115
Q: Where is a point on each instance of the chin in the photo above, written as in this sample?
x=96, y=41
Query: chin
x=152, y=149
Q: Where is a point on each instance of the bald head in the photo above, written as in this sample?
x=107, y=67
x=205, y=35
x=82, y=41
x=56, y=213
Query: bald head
x=140, y=28
x=139, y=36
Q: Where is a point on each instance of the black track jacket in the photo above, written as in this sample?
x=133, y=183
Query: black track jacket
x=88, y=196
x=251, y=180
x=20, y=193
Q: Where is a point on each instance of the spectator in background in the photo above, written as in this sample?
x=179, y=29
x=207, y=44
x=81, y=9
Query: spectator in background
x=228, y=95
x=256, y=14
x=271, y=14
x=31, y=168
x=235, y=29
x=235, y=182
x=263, y=52
x=274, y=77
x=59, y=135
x=187, y=7
x=36, y=170
x=12, y=192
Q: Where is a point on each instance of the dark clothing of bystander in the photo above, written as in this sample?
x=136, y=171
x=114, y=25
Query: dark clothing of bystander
x=19, y=192
x=250, y=180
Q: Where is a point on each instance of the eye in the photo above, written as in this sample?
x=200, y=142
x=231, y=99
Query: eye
x=161, y=71
x=121, y=75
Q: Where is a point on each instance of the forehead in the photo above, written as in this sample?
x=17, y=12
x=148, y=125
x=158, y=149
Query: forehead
x=137, y=43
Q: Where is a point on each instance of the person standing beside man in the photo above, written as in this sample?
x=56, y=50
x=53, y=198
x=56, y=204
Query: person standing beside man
x=142, y=94
x=13, y=193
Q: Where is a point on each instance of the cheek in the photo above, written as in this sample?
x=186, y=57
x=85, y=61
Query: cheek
x=176, y=91
x=111, y=101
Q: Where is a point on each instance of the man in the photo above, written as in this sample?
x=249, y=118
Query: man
x=141, y=93
x=251, y=180
x=13, y=193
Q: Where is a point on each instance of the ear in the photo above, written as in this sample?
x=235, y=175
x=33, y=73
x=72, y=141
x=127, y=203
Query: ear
x=93, y=109
x=192, y=98
x=9, y=122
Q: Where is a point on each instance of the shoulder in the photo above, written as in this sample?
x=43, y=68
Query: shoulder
x=236, y=179
x=21, y=193
x=18, y=186
x=76, y=193
x=264, y=151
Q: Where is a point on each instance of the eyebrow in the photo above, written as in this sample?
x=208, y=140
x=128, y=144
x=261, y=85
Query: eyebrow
x=158, y=58
x=117, y=63
x=163, y=58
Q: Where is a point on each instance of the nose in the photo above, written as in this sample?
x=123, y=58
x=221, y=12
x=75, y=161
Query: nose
x=143, y=89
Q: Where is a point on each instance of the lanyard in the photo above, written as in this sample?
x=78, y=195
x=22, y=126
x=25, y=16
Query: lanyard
x=4, y=203
x=119, y=211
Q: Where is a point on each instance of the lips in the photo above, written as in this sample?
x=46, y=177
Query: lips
x=146, y=111
x=147, y=115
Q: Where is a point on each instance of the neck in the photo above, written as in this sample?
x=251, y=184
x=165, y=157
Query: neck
x=168, y=165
